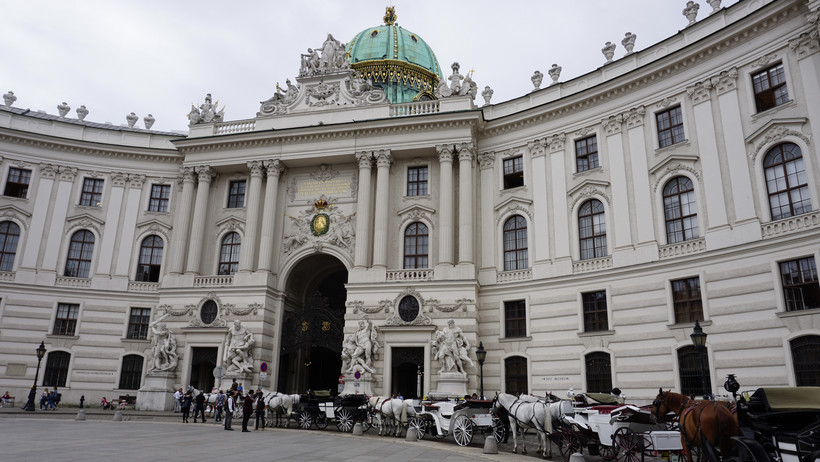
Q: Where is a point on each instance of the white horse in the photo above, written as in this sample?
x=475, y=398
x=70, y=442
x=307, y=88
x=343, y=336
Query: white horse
x=391, y=412
x=528, y=412
x=280, y=404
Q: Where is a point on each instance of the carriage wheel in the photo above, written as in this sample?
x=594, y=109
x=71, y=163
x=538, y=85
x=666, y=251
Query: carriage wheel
x=607, y=452
x=499, y=430
x=321, y=421
x=369, y=422
x=462, y=430
x=304, y=419
x=568, y=443
x=344, y=420
x=420, y=425
x=628, y=445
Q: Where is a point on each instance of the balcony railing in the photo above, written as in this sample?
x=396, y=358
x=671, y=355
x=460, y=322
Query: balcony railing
x=682, y=248
x=582, y=266
x=410, y=109
x=213, y=281
x=137, y=286
x=791, y=224
x=410, y=275
x=240, y=126
x=72, y=282
x=516, y=275
x=6, y=276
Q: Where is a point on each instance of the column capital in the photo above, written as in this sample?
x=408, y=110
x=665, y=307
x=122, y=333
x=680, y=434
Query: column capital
x=725, y=81
x=537, y=148
x=135, y=181
x=275, y=168
x=48, y=171
x=365, y=159
x=556, y=142
x=445, y=152
x=205, y=174
x=612, y=124
x=806, y=44
x=186, y=175
x=118, y=179
x=256, y=167
x=383, y=157
x=67, y=173
x=700, y=92
x=466, y=151
x=486, y=160
x=634, y=118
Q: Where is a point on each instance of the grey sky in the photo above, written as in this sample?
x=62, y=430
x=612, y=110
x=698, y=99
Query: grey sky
x=159, y=56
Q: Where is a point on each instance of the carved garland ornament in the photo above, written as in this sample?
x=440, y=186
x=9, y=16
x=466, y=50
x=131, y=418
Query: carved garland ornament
x=513, y=209
x=775, y=134
x=460, y=303
x=673, y=169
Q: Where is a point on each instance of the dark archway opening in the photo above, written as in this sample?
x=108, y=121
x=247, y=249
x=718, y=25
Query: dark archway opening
x=203, y=362
x=313, y=326
x=407, y=364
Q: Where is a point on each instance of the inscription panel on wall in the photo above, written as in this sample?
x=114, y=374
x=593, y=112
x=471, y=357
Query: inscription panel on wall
x=338, y=184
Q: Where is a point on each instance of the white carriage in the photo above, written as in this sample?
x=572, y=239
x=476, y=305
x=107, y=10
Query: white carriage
x=462, y=419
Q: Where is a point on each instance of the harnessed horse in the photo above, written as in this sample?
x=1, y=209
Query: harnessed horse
x=703, y=424
x=392, y=412
x=280, y=404
x=530, y=412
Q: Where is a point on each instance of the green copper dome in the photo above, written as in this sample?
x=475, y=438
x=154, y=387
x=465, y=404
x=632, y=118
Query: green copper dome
x=396, y=60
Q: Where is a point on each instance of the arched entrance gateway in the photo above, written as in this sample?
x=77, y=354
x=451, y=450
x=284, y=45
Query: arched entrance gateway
x=313, y=325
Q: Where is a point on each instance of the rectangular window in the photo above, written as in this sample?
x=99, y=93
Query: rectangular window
x=138, y=323
x=687, y=301
x=513, y=172
x=595, y=311
x=515, y=319
x=160, y=194
x=670, y=127
x=92, y=192
x=17, y=182
x=770, y=88
x=66, y=321
x=417, y=181
x=236, y=194
x=800, y=285
x=586, y=153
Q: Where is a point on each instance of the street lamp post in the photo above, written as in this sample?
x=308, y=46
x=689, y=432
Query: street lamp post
x=699, y=340
x=41, y=351
x=481, y=355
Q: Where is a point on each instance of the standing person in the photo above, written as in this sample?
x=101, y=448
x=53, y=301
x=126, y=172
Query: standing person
x=220, y=403
x=177, y=399
x=234, y=385
x=200, y=406
x=50, y=398
x=260, y=410
x=186, y=407
x=44, y=400
x=247, y=410
x=229, y=411
x=239, y=388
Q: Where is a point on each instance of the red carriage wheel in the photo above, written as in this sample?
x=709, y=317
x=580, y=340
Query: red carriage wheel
x=628, y=445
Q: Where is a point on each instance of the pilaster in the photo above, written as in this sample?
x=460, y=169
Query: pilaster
x=537, y=150
x=205, y=175
x=274, y=169
x=365, y=160
x=383, y=161
x=620, y=213
x=445, y=247
x=247, y=252
x=58, y=215
x=466, y=154
x=182, y=221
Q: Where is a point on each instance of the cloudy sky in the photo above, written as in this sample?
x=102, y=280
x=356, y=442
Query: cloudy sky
x=159, y=56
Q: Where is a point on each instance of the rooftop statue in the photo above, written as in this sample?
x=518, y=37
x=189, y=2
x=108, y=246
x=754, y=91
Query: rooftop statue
x=487, y=94
x=609, y=51
x=206, y=113
x=332, y=59
x=459, y=85
x=691, y=12
x=82, y=112
x=9, y=98
x=555, y=73
x=537, y=78
x=629, y=42
x=63, y=109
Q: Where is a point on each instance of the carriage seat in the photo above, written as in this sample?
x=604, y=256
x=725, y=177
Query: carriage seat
x=604, y=408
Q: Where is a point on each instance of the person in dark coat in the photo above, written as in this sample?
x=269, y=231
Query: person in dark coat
x=229, y=408
x=186, y=407
x=260, y=410
x=200, y=406
x=247, y=410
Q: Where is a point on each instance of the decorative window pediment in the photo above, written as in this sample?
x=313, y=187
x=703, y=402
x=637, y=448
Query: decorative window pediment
x=155, y=226
x=511, y=205
x=230, y=224
x=84, y=220
x=416, y=212
x=776, y=130
x=16, y=213
x=587, y=189
x=674, y=164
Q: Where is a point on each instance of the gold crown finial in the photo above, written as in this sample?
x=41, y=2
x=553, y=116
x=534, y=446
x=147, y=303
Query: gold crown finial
x=390, y=15
x=320, y=204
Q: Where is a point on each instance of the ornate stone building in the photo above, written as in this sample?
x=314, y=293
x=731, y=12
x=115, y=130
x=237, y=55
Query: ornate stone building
x=576, y=233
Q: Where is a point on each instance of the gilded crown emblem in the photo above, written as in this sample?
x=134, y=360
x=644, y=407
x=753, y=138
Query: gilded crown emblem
x=390, y=16
x=320, y=204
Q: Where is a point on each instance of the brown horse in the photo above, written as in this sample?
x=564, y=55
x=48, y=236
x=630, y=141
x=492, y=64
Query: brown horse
x=711, y=420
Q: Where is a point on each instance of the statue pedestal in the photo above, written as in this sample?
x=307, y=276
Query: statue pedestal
x=158, y=392
x=452, y=384
x=363, y=386
x=241, y=378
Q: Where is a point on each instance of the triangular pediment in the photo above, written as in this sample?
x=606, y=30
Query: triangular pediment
x=11, y=209
x=513, y=200
x=588, y=183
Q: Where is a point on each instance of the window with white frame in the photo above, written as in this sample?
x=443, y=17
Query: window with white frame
x=670, y=127
x=9, y=237
x=786, y=181
x=417, y=181
x=65, y=323
x=160, y=197
x=586, y=153
x=17, y=182
x=800, y=285
x=592, y=230
x=80, y=251
x=91, y=194
x=680, y=211
x=515, y=243
x=770, y=88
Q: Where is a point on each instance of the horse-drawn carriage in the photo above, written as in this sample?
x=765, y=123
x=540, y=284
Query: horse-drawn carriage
x=319, y=408
x=461, y=419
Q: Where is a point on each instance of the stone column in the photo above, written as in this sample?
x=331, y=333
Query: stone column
x=466, y=154
x=42, y=199
x=619, y=213
x=247, y=252
x=275, y=169
x=540, y=223
x=58, y=216
x=206, y=175
x=486, y=162
x=182, y=222
x=445, y=247
x=365, y=160
x=383, y=161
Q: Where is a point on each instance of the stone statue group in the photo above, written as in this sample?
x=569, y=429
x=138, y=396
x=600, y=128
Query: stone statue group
x=360, y=348
x=333, y=58
x=450, y=348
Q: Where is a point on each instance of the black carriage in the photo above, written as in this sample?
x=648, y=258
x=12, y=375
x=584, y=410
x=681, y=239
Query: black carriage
x=313, y=409
x=349, y=409
x=779, y=425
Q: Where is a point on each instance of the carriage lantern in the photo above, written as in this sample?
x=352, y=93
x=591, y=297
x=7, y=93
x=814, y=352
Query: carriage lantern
x=481, y=355
x=698, y=337
x=41, y=351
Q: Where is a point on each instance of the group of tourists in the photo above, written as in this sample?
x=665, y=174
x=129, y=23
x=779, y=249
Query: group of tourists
x=49, y=399
x=224, y=404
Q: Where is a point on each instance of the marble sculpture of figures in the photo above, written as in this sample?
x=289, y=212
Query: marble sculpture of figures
x=359, y=348
x=165, y=347
x=450, y=348
x=206, y=113
x=239, y=349
x=332, y=58
x=459, y=85
x=537, y=78
x=691, y=12
x=555, y=73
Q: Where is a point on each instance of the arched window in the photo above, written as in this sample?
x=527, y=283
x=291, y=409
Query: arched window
x=515, y=375
x=80, y=250
x=415, y=246
x=786, y=181
x=599, y=372
x=592, y=229
x=131, y=373
x=150, y=261
x=679, y=210
x=56, y=371
x=515, y=243
x=229, y=254
x=9, y=235
x=689, y=358
x=806, y=360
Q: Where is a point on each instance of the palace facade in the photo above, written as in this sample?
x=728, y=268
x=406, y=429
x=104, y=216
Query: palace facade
x=576, y=233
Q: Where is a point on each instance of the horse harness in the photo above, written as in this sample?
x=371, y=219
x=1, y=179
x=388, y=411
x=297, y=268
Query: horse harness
x=517, y=404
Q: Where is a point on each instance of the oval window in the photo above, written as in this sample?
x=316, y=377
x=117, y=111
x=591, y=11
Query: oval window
x=408, y=308
x=208, y=312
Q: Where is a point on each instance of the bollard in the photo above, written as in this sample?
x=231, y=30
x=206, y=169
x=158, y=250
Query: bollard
x=80, y=414
x=357, y=429
x=490, y=445
x=412, y=434
x=577, y=457
x=118, y=416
